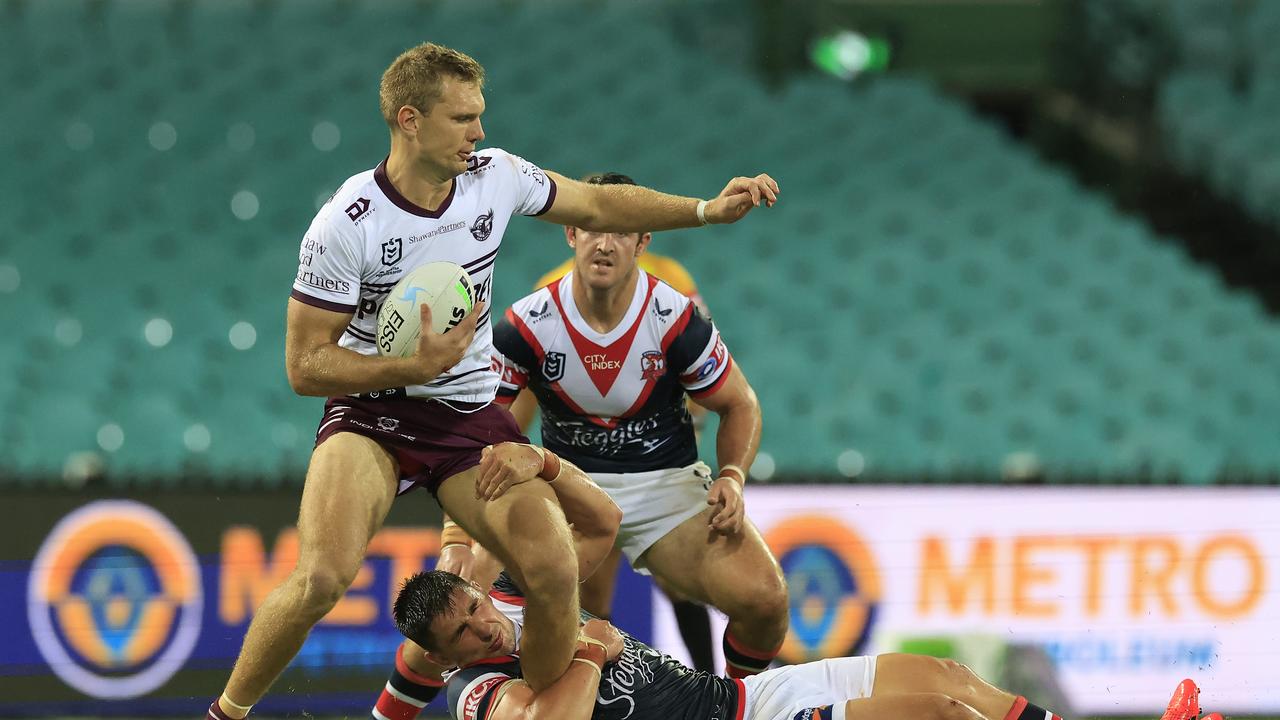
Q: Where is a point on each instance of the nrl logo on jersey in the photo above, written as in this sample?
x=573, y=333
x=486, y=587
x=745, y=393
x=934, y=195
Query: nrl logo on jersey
x=553, y=366
x=483, y=226
x=392, y=251
x=653, y=365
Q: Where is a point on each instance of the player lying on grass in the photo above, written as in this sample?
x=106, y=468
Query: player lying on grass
x=614, y=676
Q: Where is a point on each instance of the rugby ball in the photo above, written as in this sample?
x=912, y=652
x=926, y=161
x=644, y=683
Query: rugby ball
x=442, y=286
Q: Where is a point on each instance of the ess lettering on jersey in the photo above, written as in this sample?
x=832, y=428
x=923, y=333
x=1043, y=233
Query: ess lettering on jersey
x=368, y=235
x=613, y=402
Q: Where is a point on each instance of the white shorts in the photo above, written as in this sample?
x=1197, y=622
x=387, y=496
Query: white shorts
x=654, y=503
x=785, y=693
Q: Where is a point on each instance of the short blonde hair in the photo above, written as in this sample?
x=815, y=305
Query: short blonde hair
x=414, y=78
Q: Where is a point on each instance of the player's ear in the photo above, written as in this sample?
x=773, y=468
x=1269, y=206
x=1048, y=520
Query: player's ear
x=643, y=243
x=407, y=120
x=438, y=659
x=570, y=236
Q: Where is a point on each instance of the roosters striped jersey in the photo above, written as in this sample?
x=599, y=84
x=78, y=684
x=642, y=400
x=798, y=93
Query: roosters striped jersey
x=612, y=402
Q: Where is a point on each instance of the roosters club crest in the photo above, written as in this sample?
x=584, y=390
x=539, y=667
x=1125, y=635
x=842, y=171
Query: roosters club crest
x=653, y=365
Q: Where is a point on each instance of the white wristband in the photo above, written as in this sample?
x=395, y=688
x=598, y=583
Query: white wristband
x=733, y=468
x=702, y=212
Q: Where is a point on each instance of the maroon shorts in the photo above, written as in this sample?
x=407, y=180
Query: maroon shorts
x=430, y=440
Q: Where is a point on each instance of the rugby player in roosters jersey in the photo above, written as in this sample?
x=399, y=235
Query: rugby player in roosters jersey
x=610, y=353
x=614, y=676
x=597, y=591
x=394, y=423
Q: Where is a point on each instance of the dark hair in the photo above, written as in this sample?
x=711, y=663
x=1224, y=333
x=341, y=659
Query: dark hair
x=608, y=178
x=423, y=598
x=611, y=178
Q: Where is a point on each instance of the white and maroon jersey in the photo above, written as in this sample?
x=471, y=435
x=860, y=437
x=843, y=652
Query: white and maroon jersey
x=368, y=235
x=613, y=402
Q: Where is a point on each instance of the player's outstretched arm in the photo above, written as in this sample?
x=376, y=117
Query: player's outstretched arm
x=573, y=696
x=632, y=208
x=737, y=440
x=592, y=513
x=316, y=365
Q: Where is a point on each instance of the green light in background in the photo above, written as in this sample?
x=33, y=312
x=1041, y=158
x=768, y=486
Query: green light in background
x=847, y=54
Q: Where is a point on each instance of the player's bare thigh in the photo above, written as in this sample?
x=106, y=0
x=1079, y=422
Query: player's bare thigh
x=705, y=566
x=495, y=524
x=351, y=483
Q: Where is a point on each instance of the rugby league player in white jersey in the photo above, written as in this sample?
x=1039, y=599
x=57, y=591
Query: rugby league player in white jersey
x=394, y=423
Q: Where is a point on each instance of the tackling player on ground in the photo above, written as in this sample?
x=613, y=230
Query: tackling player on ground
x=617, y=677
x=393, y=423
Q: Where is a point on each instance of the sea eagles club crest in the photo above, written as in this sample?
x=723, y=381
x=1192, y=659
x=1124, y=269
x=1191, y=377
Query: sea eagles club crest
x=483, y=226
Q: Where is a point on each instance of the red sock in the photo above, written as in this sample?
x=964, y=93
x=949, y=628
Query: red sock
x=405, y=693
x=741, y=661
x=1023, y=710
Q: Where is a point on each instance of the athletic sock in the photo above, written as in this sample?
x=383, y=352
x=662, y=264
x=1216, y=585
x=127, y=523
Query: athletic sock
x=1023, y=710
x=215, y=713
x=695, y=630
x=741, y=661
x=405, y=693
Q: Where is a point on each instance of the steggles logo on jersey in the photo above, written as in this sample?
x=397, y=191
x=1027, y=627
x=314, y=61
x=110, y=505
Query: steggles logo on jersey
x=483, y=226
x=392, y=251
x=553, y=366
x=357, y=209
x=653, y=365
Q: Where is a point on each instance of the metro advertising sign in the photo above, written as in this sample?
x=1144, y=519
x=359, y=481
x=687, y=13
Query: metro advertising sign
x=131, y=608
x=1126, y=590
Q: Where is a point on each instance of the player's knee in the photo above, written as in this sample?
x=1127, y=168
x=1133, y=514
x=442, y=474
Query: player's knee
x=548, y=572
x=946, y=675
x=321, y=588
x=762, y=604
x=940, y=706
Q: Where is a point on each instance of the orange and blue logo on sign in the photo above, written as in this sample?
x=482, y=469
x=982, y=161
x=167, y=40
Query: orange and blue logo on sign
x=115, y=599
x=834, y=586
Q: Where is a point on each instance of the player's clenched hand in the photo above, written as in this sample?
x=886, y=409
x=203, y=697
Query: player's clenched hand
x=440, y=351
x=740, y=196
x=457, y=559
x=602, y=631
x=728, y=507
x=504, y=465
